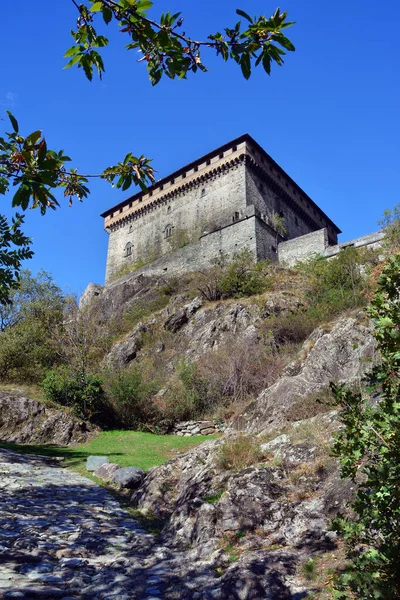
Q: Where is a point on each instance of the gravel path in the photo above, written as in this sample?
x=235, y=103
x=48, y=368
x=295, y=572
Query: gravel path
x=63, y=536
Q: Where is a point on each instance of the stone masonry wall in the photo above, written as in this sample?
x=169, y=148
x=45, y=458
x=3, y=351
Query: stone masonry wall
x=200, y=255
x=303, y=248
x=307, y=246
x=205, y=207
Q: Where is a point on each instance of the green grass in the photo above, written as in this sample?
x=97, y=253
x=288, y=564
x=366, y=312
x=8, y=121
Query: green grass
x=126, y=448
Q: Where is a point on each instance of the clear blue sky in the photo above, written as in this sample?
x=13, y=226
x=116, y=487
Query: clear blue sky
x=329, y=116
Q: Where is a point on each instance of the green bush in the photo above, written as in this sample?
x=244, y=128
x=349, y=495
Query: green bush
x=83, y=393
x=238, y=279
x=131, y=399
x=338, y=284
x=368, y=446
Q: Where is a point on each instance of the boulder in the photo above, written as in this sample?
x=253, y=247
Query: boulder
x=106, y=471
x=94, y=462
x=128, y=477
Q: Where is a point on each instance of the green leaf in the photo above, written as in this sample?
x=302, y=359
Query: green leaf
x=245, y=64
x=14, y=121
x=71, y=51
x=107, y=14
x=33, y=137
x=144, y=5
x=97, y=7
x=243, y=14
x=73, y=61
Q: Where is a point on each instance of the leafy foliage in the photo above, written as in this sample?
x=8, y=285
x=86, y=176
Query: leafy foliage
x=338, y=284
x=131, y=399
x=14, y=248
x=390, y=223
x=82, y=392
x=369, y=450
x=238, y=278
x=165, y=47
x=27, y=327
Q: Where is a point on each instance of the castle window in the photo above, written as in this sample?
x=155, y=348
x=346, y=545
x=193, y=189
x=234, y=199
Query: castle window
x=234, y=148
x=208, y=162
x=131, y=229
x=168, y=231
x=130, y=204
x=273, y=248
x=235, y=217
x=128, y=249
x=221, y=155
x=203, y=192
x=168, y=209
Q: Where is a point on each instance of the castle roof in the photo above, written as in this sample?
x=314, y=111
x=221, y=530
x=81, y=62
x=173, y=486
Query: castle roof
x=251, y=148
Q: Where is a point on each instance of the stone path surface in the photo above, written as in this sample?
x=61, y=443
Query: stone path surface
x=63, y=536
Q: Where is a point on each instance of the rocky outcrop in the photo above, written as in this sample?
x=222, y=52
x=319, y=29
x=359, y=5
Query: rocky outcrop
x=23, y=420
x=122, y=353
x=280, y=500
x=340, y=354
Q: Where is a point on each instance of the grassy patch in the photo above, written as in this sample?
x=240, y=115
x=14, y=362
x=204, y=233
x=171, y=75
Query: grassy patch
x=126, y=448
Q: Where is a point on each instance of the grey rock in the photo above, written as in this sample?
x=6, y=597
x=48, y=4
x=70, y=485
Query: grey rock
x=340, y=354
x=94, y=462
x=106, y=471
x=194, y=305
x=23, y=420
x=124, y=352
x=176, y=321
x=128, y=477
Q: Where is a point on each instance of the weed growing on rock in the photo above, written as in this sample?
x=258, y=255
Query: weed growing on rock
x=238, y=453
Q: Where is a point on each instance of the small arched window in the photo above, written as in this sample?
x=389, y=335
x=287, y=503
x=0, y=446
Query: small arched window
x=131, y=229
x=128, y=249
x=168, y=209
x=203, y=192
x=168, y=231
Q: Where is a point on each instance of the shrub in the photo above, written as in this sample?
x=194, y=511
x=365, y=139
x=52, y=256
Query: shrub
x=131, y=399
x=222, y=379
x=368, y=445
x=83, y=393
x=237, y=279
x=390, y=223
x=337, y=284
x=238, y=453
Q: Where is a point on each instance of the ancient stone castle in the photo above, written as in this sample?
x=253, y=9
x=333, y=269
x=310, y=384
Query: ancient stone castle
x=235, y=197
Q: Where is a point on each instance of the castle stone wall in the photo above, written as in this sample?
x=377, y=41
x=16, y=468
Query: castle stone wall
x=200, y=255
x=303, y=248
x=206, y=206
x=312, y=244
